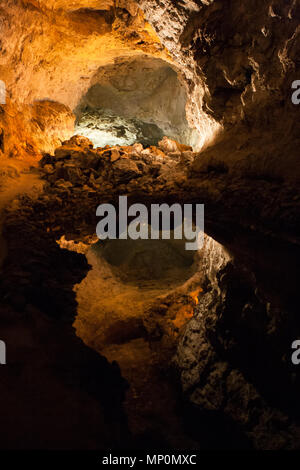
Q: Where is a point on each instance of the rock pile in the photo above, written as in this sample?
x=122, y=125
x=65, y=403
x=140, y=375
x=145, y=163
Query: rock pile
x=81, y=175
x=76, y=164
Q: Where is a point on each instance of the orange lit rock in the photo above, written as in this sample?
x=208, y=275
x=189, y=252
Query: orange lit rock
x=51, y=123
x=169, y=145
x=114, y=155
x=54, y=57
x=194, y=295
x=183, y=315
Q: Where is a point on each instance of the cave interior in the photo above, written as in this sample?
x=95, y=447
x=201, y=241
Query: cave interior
x=140, y=343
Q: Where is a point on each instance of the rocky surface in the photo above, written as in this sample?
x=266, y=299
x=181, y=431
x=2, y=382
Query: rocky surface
x=237, y=61
x=235, y=350
x=50, y=53
x=56, y=393
x=103, y=127
x=27, y=131
x=232, y=359
x=57, y=51
x=233, y=195
x=142, y=88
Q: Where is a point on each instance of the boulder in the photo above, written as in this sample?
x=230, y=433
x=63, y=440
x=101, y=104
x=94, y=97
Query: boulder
x=187, y=157
x=125, y=170
x=175, y=155
x=115, y=155
x=170, y=145
x=157, y=152
x=138, y=148
x=79, y=141
x=64, y=152
x=49, y=169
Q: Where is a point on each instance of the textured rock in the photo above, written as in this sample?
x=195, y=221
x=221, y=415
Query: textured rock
x=225, y=355
x=104, y=127
x=234, y=351
x=54, y=51
x=237, y=61
x=172, y=146
x=141, y=88
x=51, y=124
x=60, y=52
x=238, y=75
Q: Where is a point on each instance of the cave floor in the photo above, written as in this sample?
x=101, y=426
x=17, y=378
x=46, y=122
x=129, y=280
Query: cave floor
x=15, y=181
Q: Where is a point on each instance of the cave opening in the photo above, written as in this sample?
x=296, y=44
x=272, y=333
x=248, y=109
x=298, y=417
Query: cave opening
x=139, y=99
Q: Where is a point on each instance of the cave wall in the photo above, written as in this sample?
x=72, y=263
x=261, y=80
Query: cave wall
x=234, y=355
x=237, y=62
x=50, y=52
x=28, y=130
x=239, y=59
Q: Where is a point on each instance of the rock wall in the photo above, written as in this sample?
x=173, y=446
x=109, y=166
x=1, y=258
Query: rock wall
x=27, y=131
x=50, y=52
x=237, y=77
x=239, y=60
x=56, y=52
x=234, y=355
